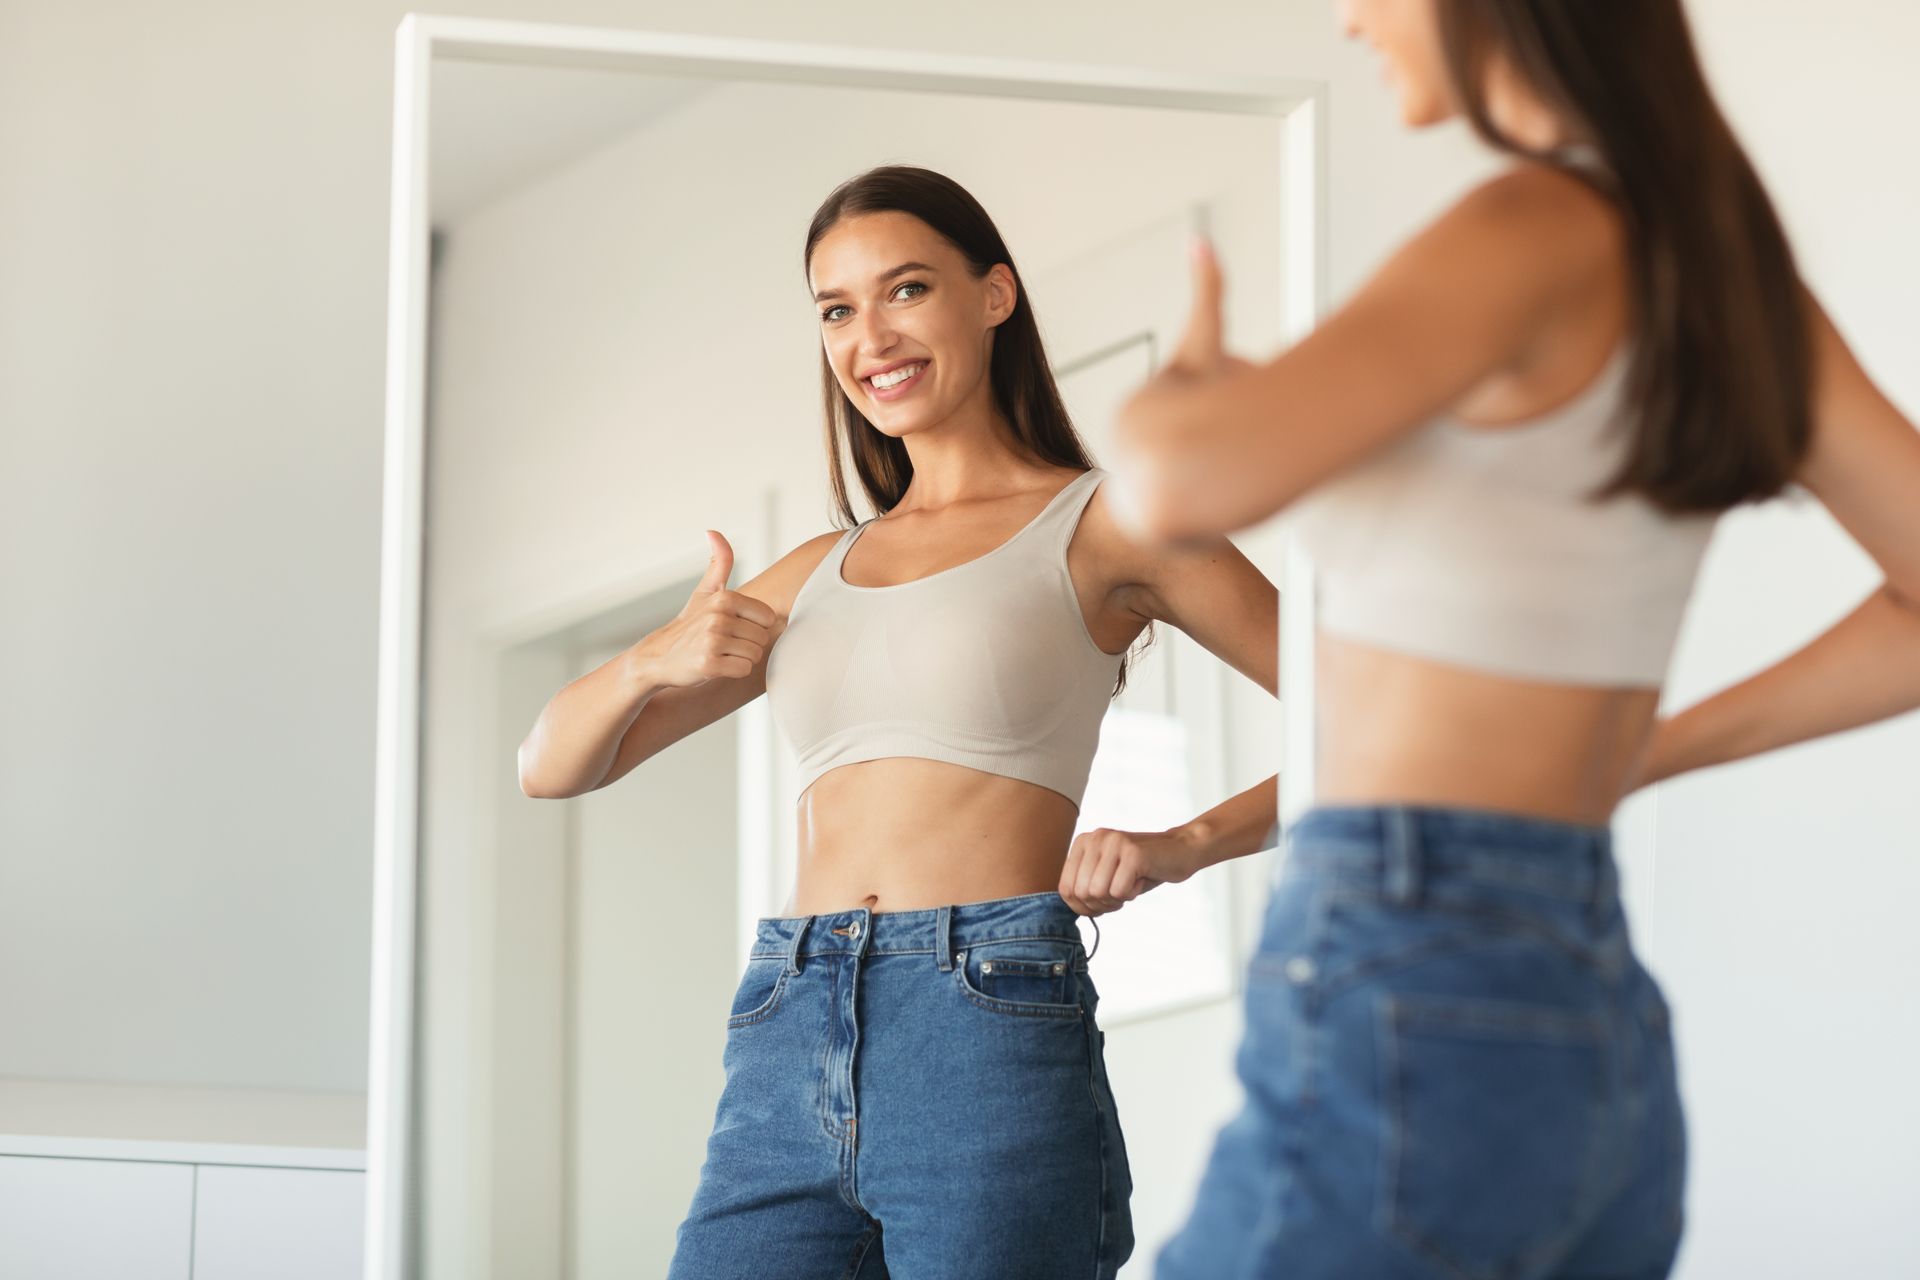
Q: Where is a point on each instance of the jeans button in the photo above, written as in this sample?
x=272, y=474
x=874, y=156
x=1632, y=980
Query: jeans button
x=1300, y=969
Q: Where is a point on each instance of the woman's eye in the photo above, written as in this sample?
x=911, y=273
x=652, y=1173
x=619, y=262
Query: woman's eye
x=910, y=284
x=828, y=314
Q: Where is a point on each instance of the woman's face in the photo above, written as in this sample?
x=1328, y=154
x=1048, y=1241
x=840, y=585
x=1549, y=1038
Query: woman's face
x=906, y=327
x=1406, y=34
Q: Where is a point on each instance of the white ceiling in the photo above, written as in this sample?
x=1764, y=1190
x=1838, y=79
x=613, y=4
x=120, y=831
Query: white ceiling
x=498, y=127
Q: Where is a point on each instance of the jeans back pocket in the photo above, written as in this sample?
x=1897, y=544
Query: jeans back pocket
x=1497, y=1114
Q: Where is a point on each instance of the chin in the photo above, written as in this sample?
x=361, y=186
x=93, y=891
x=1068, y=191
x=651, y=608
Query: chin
x=1421, y=113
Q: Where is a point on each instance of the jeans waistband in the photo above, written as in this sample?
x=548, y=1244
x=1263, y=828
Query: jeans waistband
x=1408, y=847
x=936, y=931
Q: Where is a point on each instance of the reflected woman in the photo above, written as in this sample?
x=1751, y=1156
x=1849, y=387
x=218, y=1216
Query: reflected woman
x=915, y=1079
x=1512, y=444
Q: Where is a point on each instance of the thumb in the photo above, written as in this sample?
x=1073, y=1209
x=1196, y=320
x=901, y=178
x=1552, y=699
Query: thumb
x=719, y=568
x=1202, y=345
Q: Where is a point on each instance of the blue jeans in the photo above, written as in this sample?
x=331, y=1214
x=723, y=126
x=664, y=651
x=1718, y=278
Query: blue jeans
x=920, y=1094
x=1454, y=1065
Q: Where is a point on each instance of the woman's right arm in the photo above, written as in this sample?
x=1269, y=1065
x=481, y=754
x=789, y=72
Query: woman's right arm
x=707, y=661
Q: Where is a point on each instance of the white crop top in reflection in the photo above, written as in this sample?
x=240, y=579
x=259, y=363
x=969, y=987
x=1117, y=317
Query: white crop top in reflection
x=1477, y=546
x=987, y=664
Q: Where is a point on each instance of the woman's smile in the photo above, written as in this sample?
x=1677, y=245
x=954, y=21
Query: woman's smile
x=898, y=381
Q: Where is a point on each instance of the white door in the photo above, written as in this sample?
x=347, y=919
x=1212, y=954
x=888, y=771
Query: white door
x=1109, y=320
x=654, y=964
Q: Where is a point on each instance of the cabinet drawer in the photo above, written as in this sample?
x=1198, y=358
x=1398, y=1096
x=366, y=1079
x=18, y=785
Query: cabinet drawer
x=94, y=1219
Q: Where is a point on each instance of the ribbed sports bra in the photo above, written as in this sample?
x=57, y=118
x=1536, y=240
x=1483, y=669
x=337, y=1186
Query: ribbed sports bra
x=987, y=664
x=1478, y=546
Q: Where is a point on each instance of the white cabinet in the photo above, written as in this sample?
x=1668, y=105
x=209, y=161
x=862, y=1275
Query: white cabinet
x=289, y=1224
x=110, y=1209
x=95, y=1219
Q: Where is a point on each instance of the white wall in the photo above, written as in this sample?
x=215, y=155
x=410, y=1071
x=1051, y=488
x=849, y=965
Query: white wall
x=1782, y=924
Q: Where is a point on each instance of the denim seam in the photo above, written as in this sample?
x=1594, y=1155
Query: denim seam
x=766, y=1007
x=1100, y=1129
x=860, y=1250
x=1332, y=979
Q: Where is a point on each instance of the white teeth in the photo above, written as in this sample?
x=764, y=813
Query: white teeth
x=895, y=377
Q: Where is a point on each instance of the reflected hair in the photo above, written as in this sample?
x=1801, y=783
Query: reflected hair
x=1022, y=380
x=1722, y=368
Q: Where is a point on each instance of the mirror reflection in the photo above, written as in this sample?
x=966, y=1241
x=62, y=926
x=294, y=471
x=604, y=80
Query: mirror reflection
x=915, y=689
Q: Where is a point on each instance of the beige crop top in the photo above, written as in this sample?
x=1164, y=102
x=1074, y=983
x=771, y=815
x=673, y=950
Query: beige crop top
x=987, y=664
x=1477, y=546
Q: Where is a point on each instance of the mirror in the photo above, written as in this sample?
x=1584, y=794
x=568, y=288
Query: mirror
x=602, y=345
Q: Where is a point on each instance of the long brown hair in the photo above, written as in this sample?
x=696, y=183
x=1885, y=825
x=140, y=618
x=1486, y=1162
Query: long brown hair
x=1723, y=364
x=1022, y=379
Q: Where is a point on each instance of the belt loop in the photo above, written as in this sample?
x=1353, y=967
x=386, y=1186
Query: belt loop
x=1402, y=839
x=1606, y=880
x=943, y=938
x=793, y=951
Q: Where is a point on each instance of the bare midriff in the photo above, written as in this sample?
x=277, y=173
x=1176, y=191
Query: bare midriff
x=1395, y=729
x=905, y=833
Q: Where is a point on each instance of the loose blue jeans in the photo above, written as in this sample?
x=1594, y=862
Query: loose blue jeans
x=1454, y=1065
x=913, y=1095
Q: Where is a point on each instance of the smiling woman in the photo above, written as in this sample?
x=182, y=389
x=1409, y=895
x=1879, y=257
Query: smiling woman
x=945, y=721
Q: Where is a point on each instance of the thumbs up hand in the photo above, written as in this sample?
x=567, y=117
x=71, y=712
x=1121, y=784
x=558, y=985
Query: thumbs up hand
x=718, y=633
x=1148, y=433
x=1202, y=348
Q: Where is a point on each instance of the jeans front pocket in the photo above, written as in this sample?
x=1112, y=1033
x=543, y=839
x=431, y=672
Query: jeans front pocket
x=1033, y=976
x=1495, y=1127
x=759, y=992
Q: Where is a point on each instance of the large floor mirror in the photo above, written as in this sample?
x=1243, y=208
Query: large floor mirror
x=601, y=344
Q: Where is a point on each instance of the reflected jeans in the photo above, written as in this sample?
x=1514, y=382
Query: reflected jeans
x=913, y=1095
x=1454, y=1065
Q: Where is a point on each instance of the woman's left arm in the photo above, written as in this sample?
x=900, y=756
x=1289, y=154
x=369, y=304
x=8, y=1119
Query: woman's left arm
x=1215, y=594
x=1864, y=465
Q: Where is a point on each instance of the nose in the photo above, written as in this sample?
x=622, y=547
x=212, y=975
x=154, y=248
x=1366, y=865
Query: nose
x=877, y=335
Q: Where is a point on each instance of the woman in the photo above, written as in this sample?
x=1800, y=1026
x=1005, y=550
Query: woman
x=1514, y=441
x=914, y=1076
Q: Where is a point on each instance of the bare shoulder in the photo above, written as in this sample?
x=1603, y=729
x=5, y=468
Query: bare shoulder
x=1129, y=569
x=1545, y=214
x=778, y=584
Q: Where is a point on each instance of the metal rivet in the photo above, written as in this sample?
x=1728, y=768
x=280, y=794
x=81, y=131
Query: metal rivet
x=961, y=956
x=987, y=967
x=1059, y=968
x=1300, y=969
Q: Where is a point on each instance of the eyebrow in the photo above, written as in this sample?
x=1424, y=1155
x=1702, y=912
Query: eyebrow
x=888, y=274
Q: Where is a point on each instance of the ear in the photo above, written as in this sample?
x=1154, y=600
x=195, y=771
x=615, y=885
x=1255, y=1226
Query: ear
x=1003, y=293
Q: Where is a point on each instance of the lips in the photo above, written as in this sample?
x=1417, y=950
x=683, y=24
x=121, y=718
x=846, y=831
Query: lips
x=894, y=380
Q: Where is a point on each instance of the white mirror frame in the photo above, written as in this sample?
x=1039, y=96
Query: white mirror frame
x=1300, y=105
